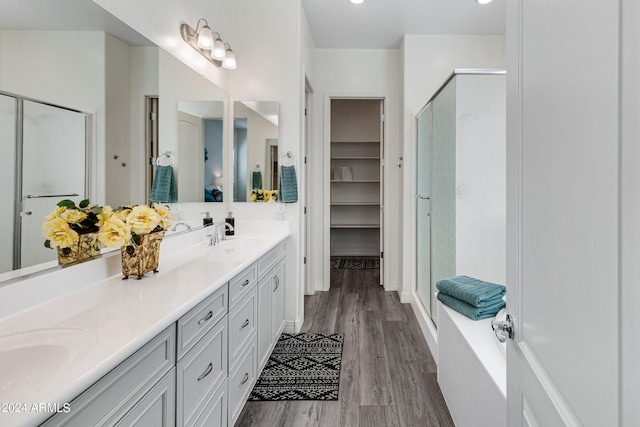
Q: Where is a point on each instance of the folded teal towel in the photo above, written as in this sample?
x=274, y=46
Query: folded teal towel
x=475, y=313
x=288, y=192
x=256, y=180
x=472, y=291
x=164, y=188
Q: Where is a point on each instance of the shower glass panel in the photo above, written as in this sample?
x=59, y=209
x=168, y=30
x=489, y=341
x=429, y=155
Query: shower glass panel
x=443, y=195
x=7, y=177
x=423, y=197
x=54, y=157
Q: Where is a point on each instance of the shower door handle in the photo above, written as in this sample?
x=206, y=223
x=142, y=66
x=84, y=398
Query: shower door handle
x=422, y=197
x=503, y=329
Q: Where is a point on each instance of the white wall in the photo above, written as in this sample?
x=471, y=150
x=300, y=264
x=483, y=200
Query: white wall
x=427, y=62
x=267, y=43
x=357, y=73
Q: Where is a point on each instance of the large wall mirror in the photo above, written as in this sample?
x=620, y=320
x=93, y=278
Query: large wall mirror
x=255, y=148
x=90, y=64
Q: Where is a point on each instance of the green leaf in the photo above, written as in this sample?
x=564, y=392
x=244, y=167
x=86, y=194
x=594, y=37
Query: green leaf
x=47, y=243
x=84, y=203
x=70, y=204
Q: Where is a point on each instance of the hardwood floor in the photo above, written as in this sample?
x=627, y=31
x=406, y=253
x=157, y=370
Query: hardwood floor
x=388, y=376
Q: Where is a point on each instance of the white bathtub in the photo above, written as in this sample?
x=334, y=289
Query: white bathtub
x=472, y=370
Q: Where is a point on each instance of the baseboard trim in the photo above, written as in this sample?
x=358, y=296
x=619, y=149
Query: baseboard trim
x=426, y=324
x=293, y=326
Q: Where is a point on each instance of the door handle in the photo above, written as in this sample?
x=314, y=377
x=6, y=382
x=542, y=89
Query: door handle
x=422, y=197
x=503, y=329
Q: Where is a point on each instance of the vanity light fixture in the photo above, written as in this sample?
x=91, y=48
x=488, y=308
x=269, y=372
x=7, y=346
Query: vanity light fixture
x=357, y=1
x=484, y=1
x=209, y=44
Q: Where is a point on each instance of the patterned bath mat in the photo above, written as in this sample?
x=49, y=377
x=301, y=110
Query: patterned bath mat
x=302, y=367
x=355, y=263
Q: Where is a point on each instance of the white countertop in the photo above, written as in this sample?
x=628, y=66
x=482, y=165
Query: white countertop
x=107, y=321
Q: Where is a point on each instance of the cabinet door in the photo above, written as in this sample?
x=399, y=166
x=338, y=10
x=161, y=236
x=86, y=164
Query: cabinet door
x=277, y=301
x=264, y=319
x=156, y=408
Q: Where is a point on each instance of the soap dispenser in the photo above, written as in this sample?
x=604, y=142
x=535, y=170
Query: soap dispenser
x=229, y=231
x=207, y=220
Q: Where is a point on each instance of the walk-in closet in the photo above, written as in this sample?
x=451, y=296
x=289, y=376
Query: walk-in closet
x=356, y=177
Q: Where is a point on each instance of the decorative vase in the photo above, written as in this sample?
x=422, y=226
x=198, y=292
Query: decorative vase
x=136, y=261
x=86, y=247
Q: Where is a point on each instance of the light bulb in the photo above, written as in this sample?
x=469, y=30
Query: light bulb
x=218, y=51
x=357, y=1
x=484, y=1
x=205, y=38
x=229, y=61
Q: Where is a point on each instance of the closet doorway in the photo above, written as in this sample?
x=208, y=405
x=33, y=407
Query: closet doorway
x=356, y=182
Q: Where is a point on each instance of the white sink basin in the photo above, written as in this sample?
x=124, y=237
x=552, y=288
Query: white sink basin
x=236, y=242
x=34, y=356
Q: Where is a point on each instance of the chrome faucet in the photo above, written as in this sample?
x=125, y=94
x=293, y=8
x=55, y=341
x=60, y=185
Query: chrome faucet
x=175, y=226
x=226, y=227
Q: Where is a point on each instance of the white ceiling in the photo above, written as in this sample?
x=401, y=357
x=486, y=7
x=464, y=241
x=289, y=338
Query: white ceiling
x=69, y=15
x=380, y=24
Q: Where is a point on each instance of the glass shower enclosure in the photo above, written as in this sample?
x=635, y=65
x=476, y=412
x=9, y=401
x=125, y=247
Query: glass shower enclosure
x=460, y=182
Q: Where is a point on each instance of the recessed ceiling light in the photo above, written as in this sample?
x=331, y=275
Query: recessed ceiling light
x=356, y=1
x=484, y=1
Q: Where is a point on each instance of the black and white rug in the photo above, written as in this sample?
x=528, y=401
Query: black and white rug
x=302, y=367
x=355, y=263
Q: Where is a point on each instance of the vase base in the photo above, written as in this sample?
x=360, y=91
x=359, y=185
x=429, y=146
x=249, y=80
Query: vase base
x=139, y=277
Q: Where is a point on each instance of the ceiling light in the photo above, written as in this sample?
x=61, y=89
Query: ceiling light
x=356, y=1
x=484, y=1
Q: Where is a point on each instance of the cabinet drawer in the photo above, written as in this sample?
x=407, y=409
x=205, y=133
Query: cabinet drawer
x=241, y=284
x=200, y=373
x=215, y=413
x=241, y=381
x=270, y=259
x=193, y=325
x=156, y=408
x=242, y=325
x=120, y=390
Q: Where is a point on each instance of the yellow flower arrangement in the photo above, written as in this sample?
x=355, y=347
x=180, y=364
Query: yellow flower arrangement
x=264, y=195
x=62, y=227
x=115, y=228
x=126, y=225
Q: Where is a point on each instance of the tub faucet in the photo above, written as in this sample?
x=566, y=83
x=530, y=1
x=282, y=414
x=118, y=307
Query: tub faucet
x=175, y=226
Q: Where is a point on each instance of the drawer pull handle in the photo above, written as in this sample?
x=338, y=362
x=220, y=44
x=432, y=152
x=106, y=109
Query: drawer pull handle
x=206, y=318
x=245, y=379
x=245, y=324
x=277, y=279
x=207, y=372
x=246, y=282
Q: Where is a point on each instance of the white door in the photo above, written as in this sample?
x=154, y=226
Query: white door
x=191, y=151
x=562, y=213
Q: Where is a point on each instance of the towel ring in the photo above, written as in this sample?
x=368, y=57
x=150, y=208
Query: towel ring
x=167, y=155
x=288, y=159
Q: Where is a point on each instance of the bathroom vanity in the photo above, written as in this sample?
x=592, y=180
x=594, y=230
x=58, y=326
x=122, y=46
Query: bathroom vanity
x=181, y=347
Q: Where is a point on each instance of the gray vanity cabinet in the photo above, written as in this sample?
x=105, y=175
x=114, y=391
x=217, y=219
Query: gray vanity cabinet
x=139, y=389
x=201, y=369
x=271, y=270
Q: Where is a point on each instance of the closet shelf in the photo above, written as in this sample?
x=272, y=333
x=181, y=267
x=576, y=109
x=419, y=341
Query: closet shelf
x=357, y=181
x=355, y=142
x=356, y=158
x=355, y=226
x=355, y=203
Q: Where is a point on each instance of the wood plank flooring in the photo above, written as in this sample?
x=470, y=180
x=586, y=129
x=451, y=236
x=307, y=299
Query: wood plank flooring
x=388, y=376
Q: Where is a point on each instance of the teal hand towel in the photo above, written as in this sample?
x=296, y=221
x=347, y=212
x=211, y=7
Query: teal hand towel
x=256, y=180
x=472, y=291
x=288, y=192
x=475, y=313
x=164, y=188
